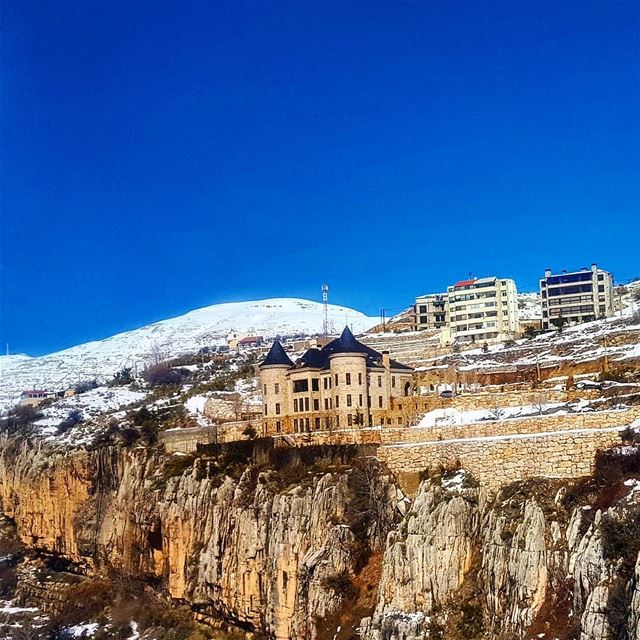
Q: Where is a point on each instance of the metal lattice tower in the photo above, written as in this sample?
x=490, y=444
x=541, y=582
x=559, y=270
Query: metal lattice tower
x=325, y=302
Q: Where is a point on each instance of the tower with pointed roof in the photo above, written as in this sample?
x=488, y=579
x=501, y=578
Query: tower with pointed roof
x=273, y=378
x=343, y=385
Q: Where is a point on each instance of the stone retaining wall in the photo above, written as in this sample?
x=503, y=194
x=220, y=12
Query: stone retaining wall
x=514, y=398
x=512, y=426
x=495, y=452
x=496, y=462
x=509, y=426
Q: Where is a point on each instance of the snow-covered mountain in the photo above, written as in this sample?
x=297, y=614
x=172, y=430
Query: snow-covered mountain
x=208, y=326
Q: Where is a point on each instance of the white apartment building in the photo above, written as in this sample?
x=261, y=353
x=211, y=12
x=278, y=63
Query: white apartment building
x=483, y=309
x=576, y=296
x=431, y=311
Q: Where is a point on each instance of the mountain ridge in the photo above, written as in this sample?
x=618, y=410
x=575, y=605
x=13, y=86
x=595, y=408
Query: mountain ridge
x=171, y=337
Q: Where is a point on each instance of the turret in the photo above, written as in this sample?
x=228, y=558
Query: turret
x=273, y=382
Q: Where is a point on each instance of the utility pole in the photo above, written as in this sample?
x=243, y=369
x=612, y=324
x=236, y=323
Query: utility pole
x=383, y=319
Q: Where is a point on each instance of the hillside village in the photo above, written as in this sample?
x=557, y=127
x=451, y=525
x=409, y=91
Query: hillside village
x=476, y=354
x=471, y=418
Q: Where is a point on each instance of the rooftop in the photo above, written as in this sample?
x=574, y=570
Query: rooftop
x=319, y=358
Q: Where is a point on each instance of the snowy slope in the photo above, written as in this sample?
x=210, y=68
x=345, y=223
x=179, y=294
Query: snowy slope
x=184, y=334
x=529, y=306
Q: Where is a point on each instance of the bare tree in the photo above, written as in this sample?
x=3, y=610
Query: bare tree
x=496, y=413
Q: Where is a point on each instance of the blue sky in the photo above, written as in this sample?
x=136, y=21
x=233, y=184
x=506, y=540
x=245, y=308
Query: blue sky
x=161, y=157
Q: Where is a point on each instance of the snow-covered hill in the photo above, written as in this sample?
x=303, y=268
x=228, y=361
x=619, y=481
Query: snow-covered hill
x=208, y=326
x=529, y=306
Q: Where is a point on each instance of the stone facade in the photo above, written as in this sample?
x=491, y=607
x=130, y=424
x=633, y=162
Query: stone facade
x=344, y=384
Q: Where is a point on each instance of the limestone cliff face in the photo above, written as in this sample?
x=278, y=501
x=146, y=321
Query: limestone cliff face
x=273, y=556
x=248, y=551
x=466, y=567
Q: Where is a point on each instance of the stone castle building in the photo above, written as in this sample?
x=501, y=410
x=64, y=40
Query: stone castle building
x=344, y=384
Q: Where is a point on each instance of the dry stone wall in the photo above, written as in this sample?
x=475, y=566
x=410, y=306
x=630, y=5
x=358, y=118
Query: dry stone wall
x=495, y=452
x=498, y=461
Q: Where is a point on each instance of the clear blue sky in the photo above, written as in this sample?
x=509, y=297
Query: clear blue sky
x=161, y=157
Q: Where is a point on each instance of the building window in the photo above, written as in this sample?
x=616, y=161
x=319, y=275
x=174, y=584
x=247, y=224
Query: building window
x=264, y=389
x=348, y=400
x=337, y=402
x=278, y=426
x=316, y=404
x=315, y=384
x=265, y=409
x=306, y=423
x=326, y=404
x=360, y=400
x=380, y=402
x=337, y=421
x=300, y=385
x=348, y=378
x=336, y=380
x=359, y=378
x=306, y=404
x=379, y=381
x=295, y=424
x=276, y=388
x=277, y=408
x=349, y=420
x=317, y=423
x=393, y=381
x=601, y=288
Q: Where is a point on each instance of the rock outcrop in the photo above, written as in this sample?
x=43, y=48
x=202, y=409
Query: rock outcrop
x=282, y=553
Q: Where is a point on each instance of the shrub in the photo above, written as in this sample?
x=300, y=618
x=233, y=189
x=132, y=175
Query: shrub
x=128, y=436
x=341, y=584
x=177, y=465
x=73, y=418
x=161, y=374
x=471, y=624
x=20, y=418
x=529, y=332
x=250, y=431
x=630, y=436
x=621, y=536
x=122, y=377
x=559, y=323
x=612, y=464
x=81, y=387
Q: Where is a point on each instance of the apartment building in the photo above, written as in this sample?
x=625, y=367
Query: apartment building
x=341, y=385
x=576, y=296
x=431, y=311
x=483, y=309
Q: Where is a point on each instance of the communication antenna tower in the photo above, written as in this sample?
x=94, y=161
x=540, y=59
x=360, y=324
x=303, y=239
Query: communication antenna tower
x=325, y=302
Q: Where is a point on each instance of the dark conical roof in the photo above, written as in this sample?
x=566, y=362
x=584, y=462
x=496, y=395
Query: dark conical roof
x=276, y=355
x=347, y=343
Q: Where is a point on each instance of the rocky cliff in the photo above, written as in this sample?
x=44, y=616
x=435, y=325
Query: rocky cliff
x=331, y=548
